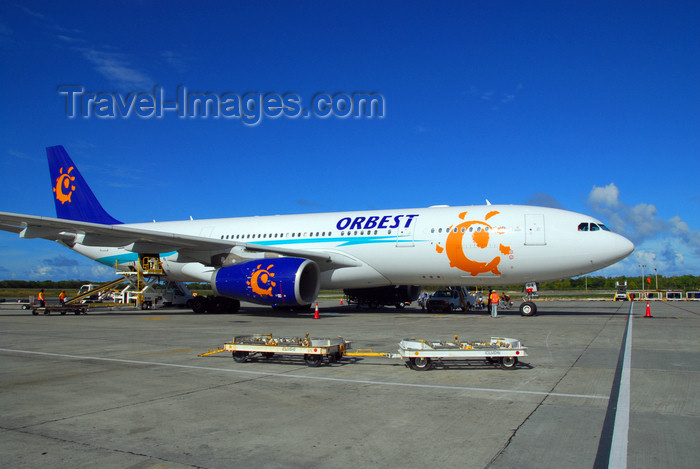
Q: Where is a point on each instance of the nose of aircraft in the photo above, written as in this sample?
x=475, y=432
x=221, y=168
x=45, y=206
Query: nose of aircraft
x=620, y=247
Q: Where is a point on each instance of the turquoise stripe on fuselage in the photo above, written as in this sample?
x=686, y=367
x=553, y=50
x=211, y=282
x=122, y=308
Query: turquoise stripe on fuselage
x=112, y=261
x=345, y=241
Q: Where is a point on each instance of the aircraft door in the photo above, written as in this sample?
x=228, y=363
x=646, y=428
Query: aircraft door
x=534, y=229
x=404, y=237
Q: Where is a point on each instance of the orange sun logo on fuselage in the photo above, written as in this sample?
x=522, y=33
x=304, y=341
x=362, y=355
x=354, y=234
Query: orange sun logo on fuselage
x=64, y=186
x=261, y=281
x=481, y=235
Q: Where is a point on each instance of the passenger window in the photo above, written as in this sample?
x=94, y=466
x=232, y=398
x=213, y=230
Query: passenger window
x=583, y=227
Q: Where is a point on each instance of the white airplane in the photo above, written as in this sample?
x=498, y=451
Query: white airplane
x=284, y=260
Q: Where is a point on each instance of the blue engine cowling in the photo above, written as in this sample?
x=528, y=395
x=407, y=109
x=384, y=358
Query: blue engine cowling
x=283, y=281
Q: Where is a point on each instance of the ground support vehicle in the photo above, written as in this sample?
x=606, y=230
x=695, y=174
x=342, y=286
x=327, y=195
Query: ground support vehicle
x=313, y=350
x=621, y=292
x=422, y=354
x=75, y=308
x=445, y=300
x=419, y=354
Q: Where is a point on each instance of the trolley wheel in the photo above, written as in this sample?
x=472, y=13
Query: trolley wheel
x=335, y=357
x=313, y=360
x=528, y=308
x=35, y=312
x=240, y=357
x=63, y=313
x=400, y=305
x=508, y=363
x=421, y=363
x=268, y=355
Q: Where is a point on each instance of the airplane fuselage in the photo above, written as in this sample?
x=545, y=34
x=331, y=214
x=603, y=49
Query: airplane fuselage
x=468, y=245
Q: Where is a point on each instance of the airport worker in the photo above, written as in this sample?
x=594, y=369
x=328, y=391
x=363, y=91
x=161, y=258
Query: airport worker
x=62, y=297
x=423, y=300
x=506, y=299
x=42, y=299
x=494, y=299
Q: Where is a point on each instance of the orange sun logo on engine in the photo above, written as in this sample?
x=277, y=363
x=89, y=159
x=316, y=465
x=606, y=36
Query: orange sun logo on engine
x=261, y=281
x=479, y=236
x=64, y=186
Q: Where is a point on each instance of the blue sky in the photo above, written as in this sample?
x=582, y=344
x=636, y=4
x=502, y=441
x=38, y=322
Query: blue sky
x=587, y=106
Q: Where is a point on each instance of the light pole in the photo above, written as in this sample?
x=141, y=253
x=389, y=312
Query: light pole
x=657, y=279
x=643, y=266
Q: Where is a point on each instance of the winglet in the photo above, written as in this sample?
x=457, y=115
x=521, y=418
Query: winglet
x=73, y=198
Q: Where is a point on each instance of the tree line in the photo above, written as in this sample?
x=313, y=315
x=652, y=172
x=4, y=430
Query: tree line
x=681, y=282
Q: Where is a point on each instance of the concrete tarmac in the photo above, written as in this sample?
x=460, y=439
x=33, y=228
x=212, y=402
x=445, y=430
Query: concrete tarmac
x=127, y=389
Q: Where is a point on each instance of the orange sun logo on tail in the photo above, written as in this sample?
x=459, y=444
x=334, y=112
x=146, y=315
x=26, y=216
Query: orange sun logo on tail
x=480, y=233
x=261, y=281
x=64, y=186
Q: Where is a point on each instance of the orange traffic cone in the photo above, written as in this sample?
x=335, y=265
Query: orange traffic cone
x=341, y=302
x=648, y=315
x=316, y=316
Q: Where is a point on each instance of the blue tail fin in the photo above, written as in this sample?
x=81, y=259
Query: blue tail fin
x=73, y=198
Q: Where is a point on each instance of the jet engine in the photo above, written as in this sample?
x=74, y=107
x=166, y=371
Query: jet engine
x=283, y=281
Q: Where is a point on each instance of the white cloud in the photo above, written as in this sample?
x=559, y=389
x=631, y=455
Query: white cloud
x=115, y=67
x=176, y=60
x=608, y=196
x=669, y=245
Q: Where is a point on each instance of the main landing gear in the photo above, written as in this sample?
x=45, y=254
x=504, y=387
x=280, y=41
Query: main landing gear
x=215, y=304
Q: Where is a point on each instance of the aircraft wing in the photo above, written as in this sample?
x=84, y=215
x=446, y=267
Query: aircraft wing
x=150, y=241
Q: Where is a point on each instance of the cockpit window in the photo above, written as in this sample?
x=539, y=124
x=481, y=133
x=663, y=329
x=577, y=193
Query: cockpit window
x=592, y=227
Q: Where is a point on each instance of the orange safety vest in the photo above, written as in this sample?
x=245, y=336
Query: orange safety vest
x=495, y=298
x=40, y=297
x=61, y=296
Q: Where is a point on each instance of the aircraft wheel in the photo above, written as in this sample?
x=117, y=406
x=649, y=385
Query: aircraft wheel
x=240, y=357
x=313, y=360
x=421, y=363
x=528, y=308
x=199, y=305
x=508, y=363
